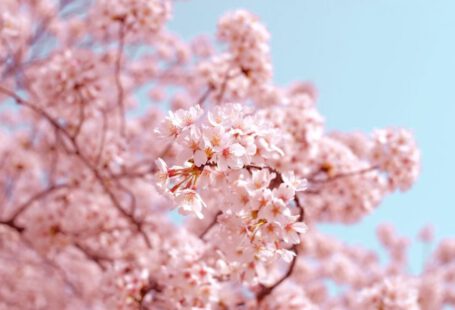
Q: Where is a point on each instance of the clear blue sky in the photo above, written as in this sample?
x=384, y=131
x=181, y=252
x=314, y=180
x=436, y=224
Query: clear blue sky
x=376, y=63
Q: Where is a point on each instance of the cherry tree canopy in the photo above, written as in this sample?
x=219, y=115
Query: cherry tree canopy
x=88, y=184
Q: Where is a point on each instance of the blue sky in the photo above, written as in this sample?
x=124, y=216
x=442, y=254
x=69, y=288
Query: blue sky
x=376, y=63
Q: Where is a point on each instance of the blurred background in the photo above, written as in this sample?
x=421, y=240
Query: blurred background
x=375, y=64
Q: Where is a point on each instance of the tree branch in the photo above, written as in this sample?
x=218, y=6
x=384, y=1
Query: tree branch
x=34, y=198
x=84, y=161
x=343, y=175
x=118, y=82
x=91, y=256
x=209, y=227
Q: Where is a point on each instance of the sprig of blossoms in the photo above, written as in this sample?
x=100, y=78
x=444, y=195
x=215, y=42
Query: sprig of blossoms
x=138, y=17
x=246, y=66
x=393, y=293
x=396, y=153
x=229, y=138
x=225, y=154
x=261, y=222
x=70, y=77
x=248, y=43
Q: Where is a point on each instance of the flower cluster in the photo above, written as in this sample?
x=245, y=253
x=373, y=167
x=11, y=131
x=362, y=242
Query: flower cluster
x=227, y=150
x=393, y=293
x=260, y=222
x=228, y=138
x=248, y=44
x=83, y=224
x=246, y=66
x=70, y=77
x=188, y=279
x=296, y=114
x=349, y=173
x=140, y=18
x=351, y=187
x=11, y=31
x=396, y=153
x=395, y=246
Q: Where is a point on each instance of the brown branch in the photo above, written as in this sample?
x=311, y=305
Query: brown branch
x=81, y=119
x=132, y=174
x=267, y=290
x=40, y=195
x=130, y=194
x=209, y=227
x=114, y=200
x=316, y=184
x=9, y=188
x=343, y=175
x=13, y=226
x=53, y=164
x=84, y=161
x=32, y=42
x=204, y=96
x=103, y=138
x=22, y=102
x=145, y=290
x=118, y=83
x=97, y=259
x=220, y=96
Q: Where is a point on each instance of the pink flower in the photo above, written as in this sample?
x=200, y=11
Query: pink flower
x=194, y=147
x=163, y=174
x=291, y=232
x=395, y=152
x=230, y=157
x=286, y=255
x=189, y=202
x=275, y=212
x=188, y=117
x=284, y=192
x=260, y=179
x=175, y=123
x=170, y=127
x=290, y=179
x=271, y=232
x=215, y=137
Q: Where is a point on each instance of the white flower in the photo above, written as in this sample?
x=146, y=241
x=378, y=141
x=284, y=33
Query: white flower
x=162, y=175
x=292, y=181
x=189, y=201
x=231, y=157
x=292, y=230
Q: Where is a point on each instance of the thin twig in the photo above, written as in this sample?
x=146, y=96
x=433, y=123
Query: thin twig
x=91, y=256
x=209, y=227
x=40, y=195
x=100, y=179
x=103, y=138
x=120, y=90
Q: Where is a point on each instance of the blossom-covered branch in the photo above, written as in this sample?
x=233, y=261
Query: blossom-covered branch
x=110, y=123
